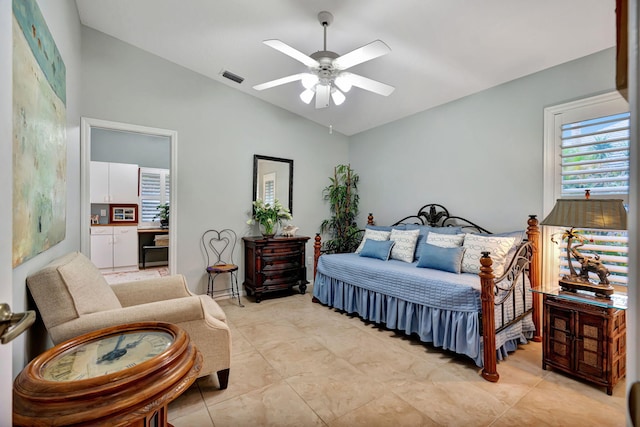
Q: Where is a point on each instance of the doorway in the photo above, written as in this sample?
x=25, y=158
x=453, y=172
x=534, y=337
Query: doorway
x=87, y=126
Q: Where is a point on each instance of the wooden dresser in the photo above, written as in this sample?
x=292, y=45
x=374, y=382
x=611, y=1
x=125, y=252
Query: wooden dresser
x=585, y=340
x=274, y=264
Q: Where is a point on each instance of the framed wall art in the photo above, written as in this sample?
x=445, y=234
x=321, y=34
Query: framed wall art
x=39, y=135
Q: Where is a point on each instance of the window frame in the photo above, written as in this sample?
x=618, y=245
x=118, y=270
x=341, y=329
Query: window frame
x=554, y=116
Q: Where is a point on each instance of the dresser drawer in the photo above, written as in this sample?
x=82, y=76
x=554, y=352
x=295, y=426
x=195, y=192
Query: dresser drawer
x=280, y=281
x=290, y=249
x=281, y=261
x=280, y=269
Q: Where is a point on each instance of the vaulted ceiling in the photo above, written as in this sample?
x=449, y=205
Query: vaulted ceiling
x=440, y=50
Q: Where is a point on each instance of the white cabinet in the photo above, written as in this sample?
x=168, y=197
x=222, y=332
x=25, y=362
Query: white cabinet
x=125, y=247
x=99, y=182
x=102, y=246
x=113, y=183
x=115, y=248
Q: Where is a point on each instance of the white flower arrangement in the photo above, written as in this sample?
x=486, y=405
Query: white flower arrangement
x=268, y=215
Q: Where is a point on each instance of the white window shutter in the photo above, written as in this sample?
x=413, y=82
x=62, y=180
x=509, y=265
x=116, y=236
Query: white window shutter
x=591, y=140
x=154, y=191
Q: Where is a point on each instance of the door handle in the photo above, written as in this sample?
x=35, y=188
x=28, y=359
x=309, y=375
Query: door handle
x=13, y=324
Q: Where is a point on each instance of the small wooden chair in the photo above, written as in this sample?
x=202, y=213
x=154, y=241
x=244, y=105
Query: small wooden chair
x=218, y=248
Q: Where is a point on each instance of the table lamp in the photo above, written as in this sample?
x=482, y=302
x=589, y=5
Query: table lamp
x=601, y=214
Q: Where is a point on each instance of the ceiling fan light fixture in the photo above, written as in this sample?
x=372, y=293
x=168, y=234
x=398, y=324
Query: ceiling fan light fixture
x=307, y=96
x=309, y=80
x=337, y=96
x=326, y=70
x=342, y=81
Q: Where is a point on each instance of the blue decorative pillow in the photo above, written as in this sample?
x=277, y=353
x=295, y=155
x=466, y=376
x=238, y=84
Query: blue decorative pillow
x=425, y=229
x=380, y=249
x=385, y=227
x=446, y=259
x=378, y=227
x=371, y=234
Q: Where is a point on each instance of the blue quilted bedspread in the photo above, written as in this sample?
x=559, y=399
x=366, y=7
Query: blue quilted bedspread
x=425, y=286
x=440, y=307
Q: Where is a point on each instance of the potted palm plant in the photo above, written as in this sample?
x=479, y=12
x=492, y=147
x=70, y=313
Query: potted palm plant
x=342, y=195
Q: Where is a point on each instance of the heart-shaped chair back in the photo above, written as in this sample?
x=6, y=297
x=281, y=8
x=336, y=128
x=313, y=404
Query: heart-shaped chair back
x=219, y=246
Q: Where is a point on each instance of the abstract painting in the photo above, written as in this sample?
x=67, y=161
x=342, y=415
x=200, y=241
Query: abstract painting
x=39, y=135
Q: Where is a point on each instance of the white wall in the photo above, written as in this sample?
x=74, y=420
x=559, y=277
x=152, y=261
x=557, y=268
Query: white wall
x=480, y=156
x=63, y=22
x=219, y=131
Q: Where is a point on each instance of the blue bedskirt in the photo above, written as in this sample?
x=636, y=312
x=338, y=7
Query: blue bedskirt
x=457, y=331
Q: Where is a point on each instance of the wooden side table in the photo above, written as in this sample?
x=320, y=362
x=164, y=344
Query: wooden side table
x=119, y=376
x=274, y=264
x=585, y=337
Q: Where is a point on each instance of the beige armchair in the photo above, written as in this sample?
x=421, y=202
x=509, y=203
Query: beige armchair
x=73, y=298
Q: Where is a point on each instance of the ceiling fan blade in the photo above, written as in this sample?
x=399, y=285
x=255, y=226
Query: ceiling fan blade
x=322, y=96
x=362, y=54
x=281, y=81
x=368, y=84
x=294, y=53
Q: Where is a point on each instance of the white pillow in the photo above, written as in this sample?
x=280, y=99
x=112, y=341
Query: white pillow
x=404, y=247
x=475, y=245
x=445, y=240
x=373, y=235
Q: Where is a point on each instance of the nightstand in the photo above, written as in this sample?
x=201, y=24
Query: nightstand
x=584, y=336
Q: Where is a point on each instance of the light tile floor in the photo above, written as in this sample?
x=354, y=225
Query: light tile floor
x=296, y=363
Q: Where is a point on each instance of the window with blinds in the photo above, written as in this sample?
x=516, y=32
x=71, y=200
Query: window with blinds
x=154, y=191
x=591, y=139
x=595, y=156
x=269, y=188
x=269, y=193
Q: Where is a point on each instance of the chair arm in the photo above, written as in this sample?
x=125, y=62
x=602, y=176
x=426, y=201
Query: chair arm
x=173, y=311
x=151, y=290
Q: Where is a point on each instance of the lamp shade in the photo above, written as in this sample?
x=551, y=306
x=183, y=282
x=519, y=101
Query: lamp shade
x=603, y=214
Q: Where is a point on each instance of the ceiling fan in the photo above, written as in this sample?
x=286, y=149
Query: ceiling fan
x=327, y=76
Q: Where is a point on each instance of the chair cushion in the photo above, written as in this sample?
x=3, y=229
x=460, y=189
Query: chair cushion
x=86, y=285
x=222, y=268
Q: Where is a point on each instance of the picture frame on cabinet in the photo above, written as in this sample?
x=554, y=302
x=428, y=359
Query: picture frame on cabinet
x=124, y=213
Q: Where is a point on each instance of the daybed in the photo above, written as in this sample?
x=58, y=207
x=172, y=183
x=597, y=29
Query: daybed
x=472, y=313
